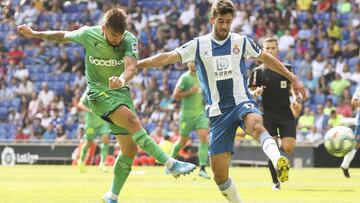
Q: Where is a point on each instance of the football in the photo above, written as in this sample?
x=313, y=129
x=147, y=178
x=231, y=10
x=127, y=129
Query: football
x=339, y=140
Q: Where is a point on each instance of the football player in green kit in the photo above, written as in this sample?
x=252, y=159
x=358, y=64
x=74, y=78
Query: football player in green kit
x=192, y=116
x=111, y=58
x=94, y=126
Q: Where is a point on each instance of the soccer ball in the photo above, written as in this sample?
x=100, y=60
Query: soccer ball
x=339, y=141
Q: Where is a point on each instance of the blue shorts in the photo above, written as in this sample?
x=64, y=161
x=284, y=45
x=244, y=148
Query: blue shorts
x=223, y=127
x=357, y=133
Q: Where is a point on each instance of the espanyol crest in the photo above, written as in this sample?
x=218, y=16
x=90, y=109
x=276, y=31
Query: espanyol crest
x=236, y=49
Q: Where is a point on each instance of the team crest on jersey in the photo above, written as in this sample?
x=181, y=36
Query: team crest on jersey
x=236, y=49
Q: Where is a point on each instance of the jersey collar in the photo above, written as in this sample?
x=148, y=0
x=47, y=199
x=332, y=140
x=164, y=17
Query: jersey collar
x=220, y=42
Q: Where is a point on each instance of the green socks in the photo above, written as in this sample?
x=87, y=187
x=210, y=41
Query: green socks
x=84, y=150
x=149, y=146
x=203, y=153
x=175, y=149
x=122, y=169
x=104, y=152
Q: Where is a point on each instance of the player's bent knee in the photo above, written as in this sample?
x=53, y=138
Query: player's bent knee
x=257, y=129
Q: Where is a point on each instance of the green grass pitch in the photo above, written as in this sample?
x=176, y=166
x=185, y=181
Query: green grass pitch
x=65, y=184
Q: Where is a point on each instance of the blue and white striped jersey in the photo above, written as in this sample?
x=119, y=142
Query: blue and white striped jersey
x=356, y=96
x=220, y=66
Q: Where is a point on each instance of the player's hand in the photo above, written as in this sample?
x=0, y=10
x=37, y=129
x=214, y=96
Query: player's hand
x=25, y=30
x=299, y=89
x=259, y=91
x=194, y=89
x=115, y=82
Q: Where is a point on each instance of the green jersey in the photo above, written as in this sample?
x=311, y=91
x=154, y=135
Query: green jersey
x=192, y=105
x=103, y=60
x=91, y=119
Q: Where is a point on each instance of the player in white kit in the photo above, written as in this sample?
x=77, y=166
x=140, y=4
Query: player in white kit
x=220, y=65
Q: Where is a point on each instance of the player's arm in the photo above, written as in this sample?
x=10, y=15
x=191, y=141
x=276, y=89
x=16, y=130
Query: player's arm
x=179, y=93
x=128, y=74
x=54, y=36
x=182, y=54
x=81, y=106
x=275, y=65
x=160, y=60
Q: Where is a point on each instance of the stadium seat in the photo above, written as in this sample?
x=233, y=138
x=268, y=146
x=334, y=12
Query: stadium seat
x=16, y=103
x=352, y=62
x=3, y=113
x=5, y=103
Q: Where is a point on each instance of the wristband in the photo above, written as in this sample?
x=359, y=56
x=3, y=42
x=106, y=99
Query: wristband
x=122, y=79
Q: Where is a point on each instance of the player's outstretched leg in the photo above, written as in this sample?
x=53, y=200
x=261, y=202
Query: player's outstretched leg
x=271, y=150
x=254, y=126
x=175, y=167
x=283, y=167
x=122, y=167
x=346, y=162
x=276, y=183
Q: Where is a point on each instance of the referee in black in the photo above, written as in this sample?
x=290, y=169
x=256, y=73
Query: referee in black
x=279, y=112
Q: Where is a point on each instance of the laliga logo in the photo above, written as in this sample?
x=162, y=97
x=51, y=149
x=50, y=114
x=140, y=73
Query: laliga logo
x=102, y=62
x=9, y=158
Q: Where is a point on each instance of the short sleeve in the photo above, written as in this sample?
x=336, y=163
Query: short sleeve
x=181, y=83
x=187, y=51
x=252, y=50
x=78, y=35
x=131, y=46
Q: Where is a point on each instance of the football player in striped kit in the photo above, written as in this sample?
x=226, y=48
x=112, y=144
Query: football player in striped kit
x=220, y=65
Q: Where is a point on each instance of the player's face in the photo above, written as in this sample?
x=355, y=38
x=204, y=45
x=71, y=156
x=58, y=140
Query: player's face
x=114, y=38
x=221, y=25
x=271, y=48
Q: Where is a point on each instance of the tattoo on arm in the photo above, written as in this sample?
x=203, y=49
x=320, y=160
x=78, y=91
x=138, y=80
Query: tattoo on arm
x=54, y=36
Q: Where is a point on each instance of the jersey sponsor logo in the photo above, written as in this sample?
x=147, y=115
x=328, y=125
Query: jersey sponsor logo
x=105, y=62
x=223, y=68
